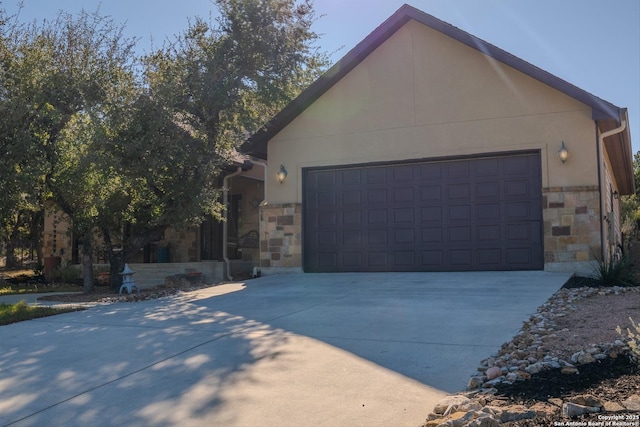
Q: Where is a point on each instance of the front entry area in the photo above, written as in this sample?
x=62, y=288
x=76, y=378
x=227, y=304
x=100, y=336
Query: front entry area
x=466, y=214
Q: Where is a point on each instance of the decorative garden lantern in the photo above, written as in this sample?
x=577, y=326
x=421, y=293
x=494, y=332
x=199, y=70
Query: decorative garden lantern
x=127, y=280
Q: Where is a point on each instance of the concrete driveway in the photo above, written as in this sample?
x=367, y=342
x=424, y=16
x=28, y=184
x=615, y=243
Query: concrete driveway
x=288, y=350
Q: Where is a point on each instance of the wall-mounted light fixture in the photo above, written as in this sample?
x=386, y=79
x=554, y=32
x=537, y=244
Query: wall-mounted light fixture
x=615, y=195
x=282, y=174
x=563, y=153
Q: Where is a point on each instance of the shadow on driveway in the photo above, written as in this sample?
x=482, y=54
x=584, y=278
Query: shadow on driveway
x=332, y=349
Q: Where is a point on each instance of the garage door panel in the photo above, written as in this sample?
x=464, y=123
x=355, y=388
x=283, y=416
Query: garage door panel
x=518, y=190
x=517, y=211
x=487, y=190
x=461, y=258
x=458, y=169
x=377, y=196
x=431, y=193
x=457, y=215
x=430, y=171
x=403, y=173
x=327, y=238
x=352, y=218
x=489, y=234
x=351, y=176
x=403, y=195
x=377, y=217
x=377, y=175
x=486, y=167
x=517, y=166
x=377, y=260
x=327, y=219
x=459, y=234
x=352, y=260
x=519, y=256
x=431, y=235
x=326, y=200
x=489, y=258
x=327, y=260
x=327, y=178
x=403, y=216
x=458, y=191
x=403, y=259
x=403, y=237
x=488, y=213
x=431, y=213
x=433, y=259
x=349, y=198
x=352, y=238
x=377, y=237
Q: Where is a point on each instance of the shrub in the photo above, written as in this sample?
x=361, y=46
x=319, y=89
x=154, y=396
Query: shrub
x=614, y=273
x=66, y=274
x=634, y=338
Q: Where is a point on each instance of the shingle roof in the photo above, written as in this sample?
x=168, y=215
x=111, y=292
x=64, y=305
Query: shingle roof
x=257, y=144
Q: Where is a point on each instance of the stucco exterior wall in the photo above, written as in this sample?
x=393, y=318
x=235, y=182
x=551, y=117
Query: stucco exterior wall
x=424, y=95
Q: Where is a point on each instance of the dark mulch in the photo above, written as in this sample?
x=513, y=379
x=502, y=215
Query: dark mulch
x=614, y=378
x=608, y=380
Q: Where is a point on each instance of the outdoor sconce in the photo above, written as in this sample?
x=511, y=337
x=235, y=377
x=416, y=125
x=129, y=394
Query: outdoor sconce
x=282, y=174
x=563, y=153
x=615, y=195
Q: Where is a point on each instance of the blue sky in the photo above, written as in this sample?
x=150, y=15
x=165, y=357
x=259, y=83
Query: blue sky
x=593, y=44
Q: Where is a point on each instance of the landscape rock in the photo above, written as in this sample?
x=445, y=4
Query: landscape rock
x=586, y=400
x=582, y=357
x=613, y=407
x=516, y=413
x=523, y=358
x=572, y=410
x=450, y=404
x=632, y=403
x=493, y=373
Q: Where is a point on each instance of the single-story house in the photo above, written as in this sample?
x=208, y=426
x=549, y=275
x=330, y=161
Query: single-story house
x=428, y=149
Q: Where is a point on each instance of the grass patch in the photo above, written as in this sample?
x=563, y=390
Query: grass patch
x=12, y=313
x=6, y=289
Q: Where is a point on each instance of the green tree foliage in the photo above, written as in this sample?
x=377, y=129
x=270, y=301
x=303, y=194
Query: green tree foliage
x=630, y=205
x=205, y=92
x=116, y=149
x=62, y=81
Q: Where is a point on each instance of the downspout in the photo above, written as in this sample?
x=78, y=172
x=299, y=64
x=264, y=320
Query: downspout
x=619, y=129
x=225, y=230
x=262, y=203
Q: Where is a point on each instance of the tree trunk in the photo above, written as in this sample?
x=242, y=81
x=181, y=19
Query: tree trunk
x=87, y=263
x=37, y=225
x=12, y=260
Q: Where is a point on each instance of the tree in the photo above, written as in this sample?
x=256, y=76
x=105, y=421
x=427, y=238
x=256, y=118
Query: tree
x=20, y=173
x=62, y=80
x=630, y=205
x=204, y=94
x=115, y=151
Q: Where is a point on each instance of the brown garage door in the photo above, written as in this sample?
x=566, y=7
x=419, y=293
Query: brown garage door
x=454, y=215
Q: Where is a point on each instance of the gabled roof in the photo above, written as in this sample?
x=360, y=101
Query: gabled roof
x=257, y=144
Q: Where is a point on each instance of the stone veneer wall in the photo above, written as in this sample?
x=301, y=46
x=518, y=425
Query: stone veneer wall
x=281, y=236
x=571, y=218
x=571, y=224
